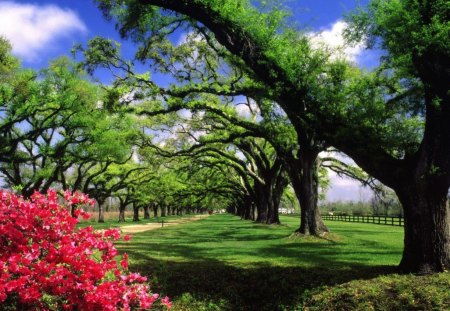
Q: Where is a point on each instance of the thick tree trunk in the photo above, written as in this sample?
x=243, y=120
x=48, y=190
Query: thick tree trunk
x=163, y=210
x=101, y=213
x=245, y=208
x=237, y=210
x=121, y=213
x=304, y=178
x=135, y=212
x=262, y=204
x=246, y=211
x=278, y=188
x=427, y=233
x=272, y=207
x=146, y=212
x=155, y=210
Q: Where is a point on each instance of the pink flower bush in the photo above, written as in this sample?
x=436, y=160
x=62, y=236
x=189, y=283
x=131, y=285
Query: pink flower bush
x=48, y=264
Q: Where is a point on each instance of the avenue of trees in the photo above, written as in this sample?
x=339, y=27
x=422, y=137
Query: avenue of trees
x=393, y=122
x=245, y=122
x=56, y=133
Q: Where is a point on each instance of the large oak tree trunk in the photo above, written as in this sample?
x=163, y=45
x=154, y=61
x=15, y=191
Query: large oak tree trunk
x=135, y=212
x=277, y=188
x=423, y=193
x=271, y=209
x=146, y=212
x=280, y=184
x=427, y=233
x=311, y=222
x=122, y=207
x=262, y=201
x=245, y=208
x=121, y=213
x=246, y=211
x=268, y=195
x=304, y=179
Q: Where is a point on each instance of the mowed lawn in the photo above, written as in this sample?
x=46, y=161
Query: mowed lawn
x=225, y=263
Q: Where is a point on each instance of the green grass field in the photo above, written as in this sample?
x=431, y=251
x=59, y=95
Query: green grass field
x=224, y=263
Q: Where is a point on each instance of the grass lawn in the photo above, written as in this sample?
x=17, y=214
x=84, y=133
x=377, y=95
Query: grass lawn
x=224, y=263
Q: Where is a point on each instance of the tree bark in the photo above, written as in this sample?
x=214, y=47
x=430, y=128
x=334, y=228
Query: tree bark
x=303, y=175
x=245, y=208
x=101, y=213
x=278, y=188
x=121, y=213
x=135, y=212
x=146, y=212
x=262, y=200
x=427, y=234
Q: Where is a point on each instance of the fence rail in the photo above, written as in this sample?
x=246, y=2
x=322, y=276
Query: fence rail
x=380, y=220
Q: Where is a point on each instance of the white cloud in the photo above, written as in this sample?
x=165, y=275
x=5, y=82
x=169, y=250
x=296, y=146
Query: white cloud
x=32, y=29
x=333, y=39
x=246, y=108
x=346, y=189
x=185, y=114
x=187, y=37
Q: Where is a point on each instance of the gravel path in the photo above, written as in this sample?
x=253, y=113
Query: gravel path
x=153, y=226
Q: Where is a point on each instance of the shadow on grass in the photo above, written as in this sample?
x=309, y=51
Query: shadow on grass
x=257, y=287
x=228, y=264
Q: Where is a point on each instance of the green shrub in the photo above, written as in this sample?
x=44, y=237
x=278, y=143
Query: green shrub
x=393, y=292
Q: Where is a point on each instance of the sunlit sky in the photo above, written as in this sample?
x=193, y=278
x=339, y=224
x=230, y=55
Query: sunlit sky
x=41, y=30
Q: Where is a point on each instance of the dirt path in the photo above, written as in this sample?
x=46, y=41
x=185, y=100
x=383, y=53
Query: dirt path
x=153, y=226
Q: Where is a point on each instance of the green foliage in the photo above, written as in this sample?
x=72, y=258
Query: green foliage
x=8, y=62
x=409, y=29
x=54, y=131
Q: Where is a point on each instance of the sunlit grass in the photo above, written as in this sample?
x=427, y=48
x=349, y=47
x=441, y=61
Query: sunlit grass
x=225, y=263
x=232, y=241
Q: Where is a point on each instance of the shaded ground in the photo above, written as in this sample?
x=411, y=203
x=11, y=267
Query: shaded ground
x=224, y=263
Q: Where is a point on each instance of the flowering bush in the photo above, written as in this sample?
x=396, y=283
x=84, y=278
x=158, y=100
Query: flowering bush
x=48, y=264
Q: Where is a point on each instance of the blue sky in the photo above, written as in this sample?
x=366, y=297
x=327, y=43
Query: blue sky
x=41, y=30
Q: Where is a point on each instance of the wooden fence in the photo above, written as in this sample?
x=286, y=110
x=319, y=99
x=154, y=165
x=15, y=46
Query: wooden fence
x=380, y=220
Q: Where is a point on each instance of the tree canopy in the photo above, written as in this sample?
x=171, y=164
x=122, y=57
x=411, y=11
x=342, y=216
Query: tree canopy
x=360, y=114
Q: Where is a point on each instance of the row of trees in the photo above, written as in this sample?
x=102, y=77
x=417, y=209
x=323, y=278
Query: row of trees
x=56, y=133
x=251, y=106
x=393, y=121
x=59, y=130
